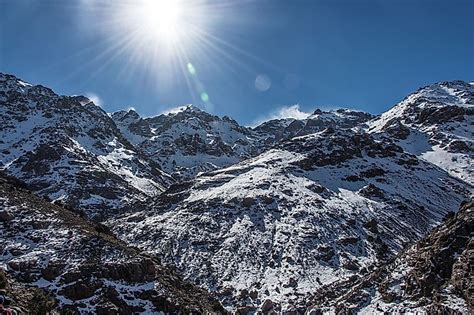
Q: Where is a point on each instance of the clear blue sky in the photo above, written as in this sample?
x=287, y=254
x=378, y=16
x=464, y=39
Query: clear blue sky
x=363, y=54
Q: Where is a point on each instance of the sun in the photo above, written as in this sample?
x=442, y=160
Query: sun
x=159, y=21
x=162, y=19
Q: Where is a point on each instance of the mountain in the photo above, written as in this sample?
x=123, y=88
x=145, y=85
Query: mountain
x=189, y=140
x=265, y=218
x=272, y=229
x=434, y=276
x=67, y=148
x=280, y=129
x=436, y=124
x=83, y=266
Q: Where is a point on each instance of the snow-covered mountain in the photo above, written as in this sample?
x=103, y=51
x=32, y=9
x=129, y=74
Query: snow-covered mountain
x=435, y=123
x=69, y=149
x=189, y=140
x=280, y=129
x=434, y=276
x=314, y=209
x=265, y=217
x=83, y=267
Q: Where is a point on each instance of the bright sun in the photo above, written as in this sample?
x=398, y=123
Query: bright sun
x=154, y=21
x=162, y=19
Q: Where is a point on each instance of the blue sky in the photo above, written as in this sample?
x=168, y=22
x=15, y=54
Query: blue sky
x=257, y=58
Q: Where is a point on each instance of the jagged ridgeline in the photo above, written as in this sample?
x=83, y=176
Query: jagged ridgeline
x=294, y=215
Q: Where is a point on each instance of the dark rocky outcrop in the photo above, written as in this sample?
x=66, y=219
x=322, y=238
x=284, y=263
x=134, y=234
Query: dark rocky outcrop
x=86, y=264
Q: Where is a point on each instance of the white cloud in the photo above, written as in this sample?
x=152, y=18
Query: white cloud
x=173, y=110
x=94, y=98
x=292, y=111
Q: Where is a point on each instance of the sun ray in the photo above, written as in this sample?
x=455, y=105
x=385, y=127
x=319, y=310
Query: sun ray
x=156, y=39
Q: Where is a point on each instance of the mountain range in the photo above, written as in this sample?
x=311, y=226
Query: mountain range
x=190, y=212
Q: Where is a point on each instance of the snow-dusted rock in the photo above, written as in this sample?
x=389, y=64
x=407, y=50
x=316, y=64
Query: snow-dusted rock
x=312, y=210
x=279, y=129
x=435, y=123
x=434, y=276
x=68, y=149
x=189, y=141
x=84, y=267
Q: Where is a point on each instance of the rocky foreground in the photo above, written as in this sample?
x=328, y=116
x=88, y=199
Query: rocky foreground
x=82, y=267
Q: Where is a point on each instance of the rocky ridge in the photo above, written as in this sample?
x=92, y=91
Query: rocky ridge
x=435, y=123
x=67, y=148
x=189, y=140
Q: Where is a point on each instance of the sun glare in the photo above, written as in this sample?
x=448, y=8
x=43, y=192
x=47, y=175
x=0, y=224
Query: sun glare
x=162, y=19
x=167, y=40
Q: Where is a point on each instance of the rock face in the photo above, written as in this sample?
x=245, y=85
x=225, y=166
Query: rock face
x=435, y=123
x=86, y=271
x=68, y=149
x=433, y=276
x=310, y=211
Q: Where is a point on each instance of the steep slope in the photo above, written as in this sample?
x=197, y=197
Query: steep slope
x=433, y=276
x=268, y=231
x=68, y=149
x=435, y=123
x=84, y=267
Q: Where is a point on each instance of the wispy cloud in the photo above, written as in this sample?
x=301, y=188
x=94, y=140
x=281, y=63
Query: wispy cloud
x=173, y=110
x=94, y=98
x=292, y=111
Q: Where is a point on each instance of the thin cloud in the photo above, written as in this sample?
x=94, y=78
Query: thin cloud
x=94, y=98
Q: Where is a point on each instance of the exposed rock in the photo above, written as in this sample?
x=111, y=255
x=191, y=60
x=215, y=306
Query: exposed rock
x=267, y=306
x=371, y=226
x=371, y=191
x=84, y=267
x=5, y=216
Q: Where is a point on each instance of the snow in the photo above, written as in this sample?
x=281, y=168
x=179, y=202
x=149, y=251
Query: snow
x=85, y=141
x=424, y=140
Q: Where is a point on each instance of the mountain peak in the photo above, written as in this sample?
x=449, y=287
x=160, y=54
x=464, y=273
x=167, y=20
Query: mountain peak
x=122, y=115
x=458, y=92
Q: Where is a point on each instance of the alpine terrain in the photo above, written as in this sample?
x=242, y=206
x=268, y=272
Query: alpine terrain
x=187, y=212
